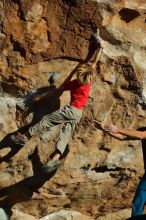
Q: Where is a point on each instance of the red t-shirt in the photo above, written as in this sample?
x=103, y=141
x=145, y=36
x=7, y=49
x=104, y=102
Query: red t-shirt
x=79, y=93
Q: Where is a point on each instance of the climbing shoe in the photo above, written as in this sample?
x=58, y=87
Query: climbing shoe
x=51, y=166
x=19, y=138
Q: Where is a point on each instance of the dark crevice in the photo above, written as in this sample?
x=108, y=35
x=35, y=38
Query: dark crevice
x=16, y=1
x=103, y=169
x=20, y=12
x=105, y=149
x=67, y=206
x=21, y=50
x=75, y=3
x=49, y=36
x=128, y=15
x=117, y=95
x=17, y=47
x=64, y=58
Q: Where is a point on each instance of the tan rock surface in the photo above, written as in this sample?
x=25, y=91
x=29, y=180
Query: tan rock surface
x=66, y=215
x=17, y=215
x=99, y=175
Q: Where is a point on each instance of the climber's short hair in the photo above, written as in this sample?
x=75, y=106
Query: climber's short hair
x=85, y=74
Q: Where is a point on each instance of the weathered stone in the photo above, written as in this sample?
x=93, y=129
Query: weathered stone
x=17, y=215
x=99, y=175
x=66, y=215
x=123, y=214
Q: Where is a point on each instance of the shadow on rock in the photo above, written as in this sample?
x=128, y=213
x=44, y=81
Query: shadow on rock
x=39, y=107
x=23, y=190
x=44, y=106
x=6, y=142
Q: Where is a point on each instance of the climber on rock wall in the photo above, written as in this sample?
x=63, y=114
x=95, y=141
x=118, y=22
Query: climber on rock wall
x=69, y=115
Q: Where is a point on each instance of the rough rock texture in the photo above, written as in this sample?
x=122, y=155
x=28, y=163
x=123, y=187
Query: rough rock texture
x=17, y=215
x=99, y=175
x=66, y=215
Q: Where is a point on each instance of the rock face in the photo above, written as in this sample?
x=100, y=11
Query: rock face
x=66, y=215
x=41, y=42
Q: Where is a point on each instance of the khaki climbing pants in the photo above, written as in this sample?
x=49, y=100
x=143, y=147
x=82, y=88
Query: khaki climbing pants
x=69, y=116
